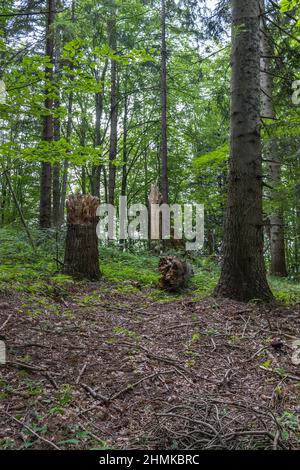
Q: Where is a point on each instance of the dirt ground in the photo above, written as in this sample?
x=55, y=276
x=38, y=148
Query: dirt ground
x=102, y=368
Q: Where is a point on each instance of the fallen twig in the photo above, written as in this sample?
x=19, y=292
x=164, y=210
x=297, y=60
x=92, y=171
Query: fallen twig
x=6, y=321
x=131, y=386
x=81, y=373
x=95, y=394
x=31, y=430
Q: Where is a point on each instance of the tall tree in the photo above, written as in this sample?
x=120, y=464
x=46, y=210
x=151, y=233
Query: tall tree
x=163, y=90
x=276, y=222
x=112, y=34
x=65, y=169
x=46, y=170
x=56, y=186
x=99, y=101
x=243, y=275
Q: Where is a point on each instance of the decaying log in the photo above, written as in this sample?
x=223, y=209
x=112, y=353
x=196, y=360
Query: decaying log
x=81, y=250
x=175, y=273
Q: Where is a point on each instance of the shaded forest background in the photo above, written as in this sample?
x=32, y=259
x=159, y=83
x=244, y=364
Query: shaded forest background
x=84, y=113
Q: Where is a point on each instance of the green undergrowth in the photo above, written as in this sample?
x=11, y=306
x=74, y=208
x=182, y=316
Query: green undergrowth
x=38, y=271
x=285, y=290
x=118, y=266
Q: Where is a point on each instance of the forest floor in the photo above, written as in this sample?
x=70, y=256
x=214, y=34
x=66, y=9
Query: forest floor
x=116, y=369
x=120, y=364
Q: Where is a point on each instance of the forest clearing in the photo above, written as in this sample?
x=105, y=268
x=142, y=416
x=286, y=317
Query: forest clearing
x=149, y=225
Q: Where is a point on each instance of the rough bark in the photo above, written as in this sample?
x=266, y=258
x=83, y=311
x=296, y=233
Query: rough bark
x=163, y=87
x=81, y=250
x=112, y=31
x=276, y=222
x=46, y=170
x=243, y=275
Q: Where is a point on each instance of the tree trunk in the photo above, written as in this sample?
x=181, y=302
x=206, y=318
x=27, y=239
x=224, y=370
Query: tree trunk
x=56, y=136
x=96, y=170
x=277, y=241
x=81, y=250
x=113, y=114
x=163, y=85
x=124, y=168
x=276, y=222
x=297, y=229
x=63, y=191
x=243, y=275
x=46, y=170
x=64, y=183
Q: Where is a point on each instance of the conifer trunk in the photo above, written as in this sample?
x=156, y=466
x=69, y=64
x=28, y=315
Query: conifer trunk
x=276, y=222
x=164, y=124
x=112, y=30
x=243, y=275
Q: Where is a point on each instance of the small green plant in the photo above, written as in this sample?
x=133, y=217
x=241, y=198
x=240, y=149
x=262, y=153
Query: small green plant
x=33, y=388
x=63, y=398
x=290, y=425
x=6, y=443
x=125, y=332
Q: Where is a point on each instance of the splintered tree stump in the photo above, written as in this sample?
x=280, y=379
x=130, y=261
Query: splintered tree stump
x=175, y=273
x=81, y=249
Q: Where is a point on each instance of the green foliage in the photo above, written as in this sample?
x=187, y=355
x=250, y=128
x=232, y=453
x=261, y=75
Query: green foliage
x=288, y=5
x=216, y=158
x=38, y=274
x=64, y=397
x=120, y=266
x=285, y=290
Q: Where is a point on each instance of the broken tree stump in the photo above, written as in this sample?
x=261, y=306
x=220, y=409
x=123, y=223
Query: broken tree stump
x=81, y=249
x=175, y=273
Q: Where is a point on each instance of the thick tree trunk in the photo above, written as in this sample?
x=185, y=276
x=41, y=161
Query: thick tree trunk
x=46, y=170
x=276, y=222
x=163, y=86
x=81, y=251
x=243, y=275
x=112, y=30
